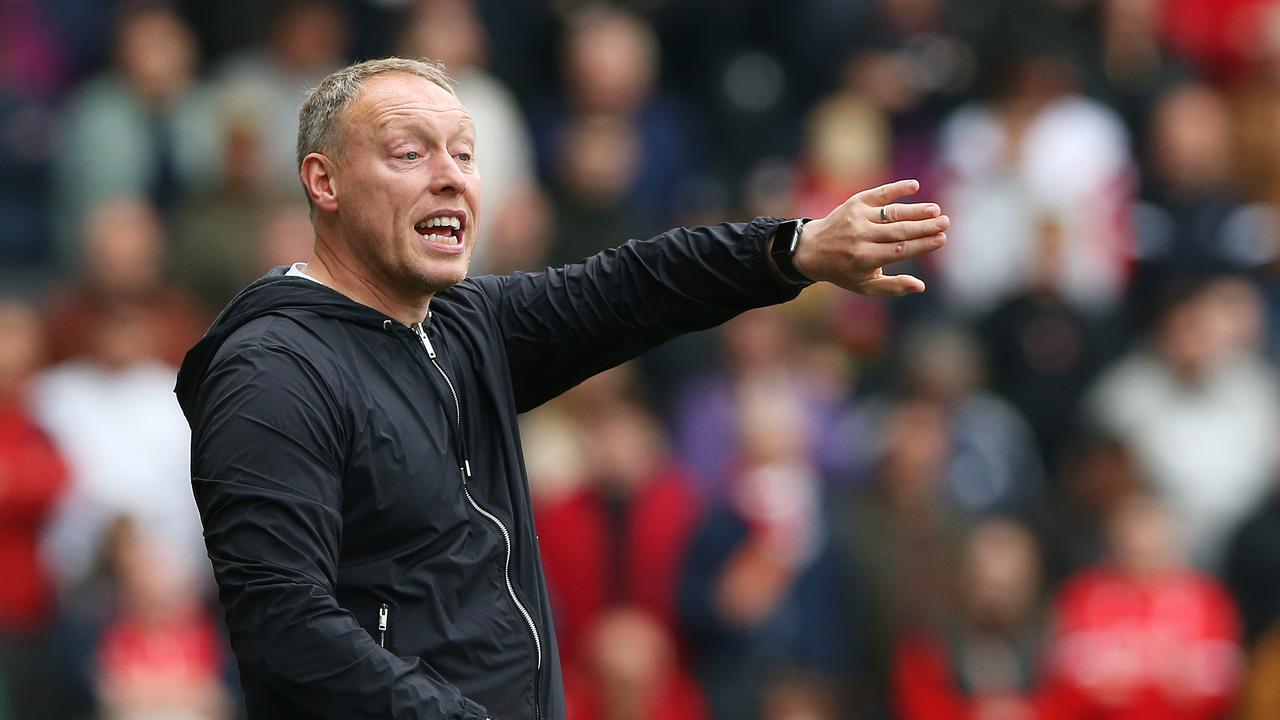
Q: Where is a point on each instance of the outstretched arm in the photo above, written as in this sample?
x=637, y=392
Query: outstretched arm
x=565, y=324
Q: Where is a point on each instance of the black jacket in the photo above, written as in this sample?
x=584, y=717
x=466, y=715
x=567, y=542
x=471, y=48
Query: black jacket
x=375, y=552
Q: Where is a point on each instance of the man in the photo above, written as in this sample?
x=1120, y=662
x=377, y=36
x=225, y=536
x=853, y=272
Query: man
x=355, y=455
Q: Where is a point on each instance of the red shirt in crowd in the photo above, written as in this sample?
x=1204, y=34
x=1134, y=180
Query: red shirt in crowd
x=592, y=565
x=1227, y=37
x=925, y=688
x=1165, y=647
x=32, y=477
x=182, y=652
x=678, y=698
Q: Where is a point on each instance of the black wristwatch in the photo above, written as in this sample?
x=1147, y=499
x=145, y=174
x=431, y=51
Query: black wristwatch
x=783, y=250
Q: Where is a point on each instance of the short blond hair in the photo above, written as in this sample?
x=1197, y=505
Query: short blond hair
x=319, y=129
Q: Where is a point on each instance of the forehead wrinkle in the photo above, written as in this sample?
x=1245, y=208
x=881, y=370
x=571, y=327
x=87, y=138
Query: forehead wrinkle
x=410, y=113
x=412, y=117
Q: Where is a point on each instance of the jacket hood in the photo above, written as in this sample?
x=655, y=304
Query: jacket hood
x=273, y=293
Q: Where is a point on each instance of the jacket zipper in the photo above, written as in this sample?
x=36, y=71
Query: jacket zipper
x=384, y=612
x=506, y=536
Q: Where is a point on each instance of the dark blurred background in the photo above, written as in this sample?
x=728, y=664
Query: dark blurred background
x=1044, y=489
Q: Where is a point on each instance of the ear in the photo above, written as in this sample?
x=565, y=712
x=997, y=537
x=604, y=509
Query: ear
x=318, y=179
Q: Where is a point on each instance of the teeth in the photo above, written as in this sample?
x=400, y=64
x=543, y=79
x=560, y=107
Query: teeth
x=442, y=221
x=442, y=239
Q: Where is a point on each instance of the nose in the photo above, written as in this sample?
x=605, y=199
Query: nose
x=447, y=176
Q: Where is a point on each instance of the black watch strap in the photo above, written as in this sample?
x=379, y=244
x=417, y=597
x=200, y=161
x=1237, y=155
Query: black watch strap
x=783, y=250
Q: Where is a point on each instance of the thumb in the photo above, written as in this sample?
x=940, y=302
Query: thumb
x=891, y=286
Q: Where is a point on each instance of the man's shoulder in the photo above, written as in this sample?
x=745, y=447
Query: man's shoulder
x=275, y=360
x=307, y=338
x=273, y=329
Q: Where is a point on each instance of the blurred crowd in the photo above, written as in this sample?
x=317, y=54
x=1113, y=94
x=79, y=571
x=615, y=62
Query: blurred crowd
x=1047, y=488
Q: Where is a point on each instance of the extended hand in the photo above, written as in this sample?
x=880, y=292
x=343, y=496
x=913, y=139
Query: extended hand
x=851, y=245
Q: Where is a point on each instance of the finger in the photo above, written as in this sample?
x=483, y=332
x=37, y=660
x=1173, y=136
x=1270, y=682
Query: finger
x=886, y=194
x=886, y=253
x=891, y=286
x=898, y=212
x=910, y=229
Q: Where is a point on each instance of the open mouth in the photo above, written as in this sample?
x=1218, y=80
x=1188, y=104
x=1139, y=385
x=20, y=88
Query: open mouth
x=444, y=228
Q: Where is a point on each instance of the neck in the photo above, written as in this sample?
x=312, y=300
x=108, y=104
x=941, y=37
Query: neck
x=345, y=274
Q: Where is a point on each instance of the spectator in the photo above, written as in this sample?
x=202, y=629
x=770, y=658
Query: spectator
x=631, y=673
x=215, y=252
x=1098, y=472
x=124, y=263
x=32, y=477
x=599, y=162
x=1143, y=636
x=610, y=71
x=148, y=125
x=760, y=347
x=1040, y=152
x=1192, y=221
x=983, y=663
x=1227, y=37
x=620, y=538
x=160, y=654
x=229, y=240
x=1199, y=408
x=760, y=592
x=307, y=40
x=1134, y=64
x=915, y=61
x=113, y=415
x=900, y=536
x=1044, y=351
x=993, y=463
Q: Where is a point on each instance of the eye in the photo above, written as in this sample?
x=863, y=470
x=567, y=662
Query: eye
x=411, y=155
x=464, y=157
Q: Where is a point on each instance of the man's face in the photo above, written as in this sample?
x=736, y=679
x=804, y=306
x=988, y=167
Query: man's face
x=406, y=184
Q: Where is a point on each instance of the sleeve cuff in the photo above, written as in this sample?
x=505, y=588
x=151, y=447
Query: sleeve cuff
x=757, y=236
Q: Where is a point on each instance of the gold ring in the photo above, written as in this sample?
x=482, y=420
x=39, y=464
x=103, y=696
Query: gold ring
x=884, y=216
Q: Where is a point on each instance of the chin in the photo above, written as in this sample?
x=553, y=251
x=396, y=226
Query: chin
x=437, y=279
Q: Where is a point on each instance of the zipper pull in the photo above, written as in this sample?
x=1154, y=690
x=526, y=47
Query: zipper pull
x=426, y=342
x=383, y=612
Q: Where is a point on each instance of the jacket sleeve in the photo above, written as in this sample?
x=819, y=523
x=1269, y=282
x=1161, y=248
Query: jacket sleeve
x=267, y=461
x=563, y=325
